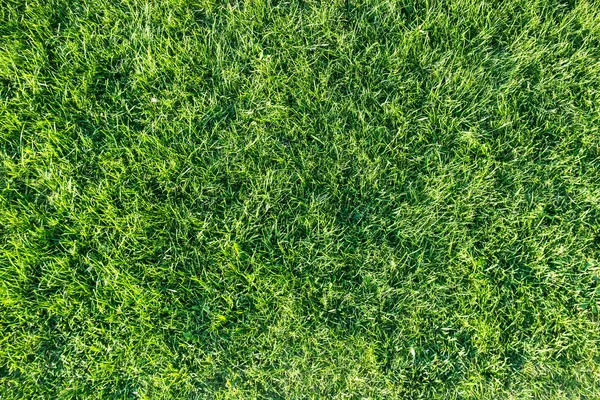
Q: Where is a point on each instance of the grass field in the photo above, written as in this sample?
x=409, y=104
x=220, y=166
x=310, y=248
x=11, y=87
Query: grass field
x=362, y=199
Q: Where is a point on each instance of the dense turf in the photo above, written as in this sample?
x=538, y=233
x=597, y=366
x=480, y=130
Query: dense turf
x=299, y=199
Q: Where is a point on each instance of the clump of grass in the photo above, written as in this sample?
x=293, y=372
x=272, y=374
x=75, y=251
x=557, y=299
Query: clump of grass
x=299, y=199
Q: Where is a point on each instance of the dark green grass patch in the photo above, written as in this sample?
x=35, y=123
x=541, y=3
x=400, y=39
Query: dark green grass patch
x=299, y=199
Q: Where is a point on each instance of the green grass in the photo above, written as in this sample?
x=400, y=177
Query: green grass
x=362, y=199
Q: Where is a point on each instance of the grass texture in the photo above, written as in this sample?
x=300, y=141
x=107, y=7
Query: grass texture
x=262, y=199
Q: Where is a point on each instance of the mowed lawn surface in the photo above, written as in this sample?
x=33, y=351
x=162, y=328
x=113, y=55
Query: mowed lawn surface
x=362, y=199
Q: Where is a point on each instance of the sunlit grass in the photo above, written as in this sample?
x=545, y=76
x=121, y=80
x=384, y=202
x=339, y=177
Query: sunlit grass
x=299, y=199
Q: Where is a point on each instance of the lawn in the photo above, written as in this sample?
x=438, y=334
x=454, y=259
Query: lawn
x=263, y=199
